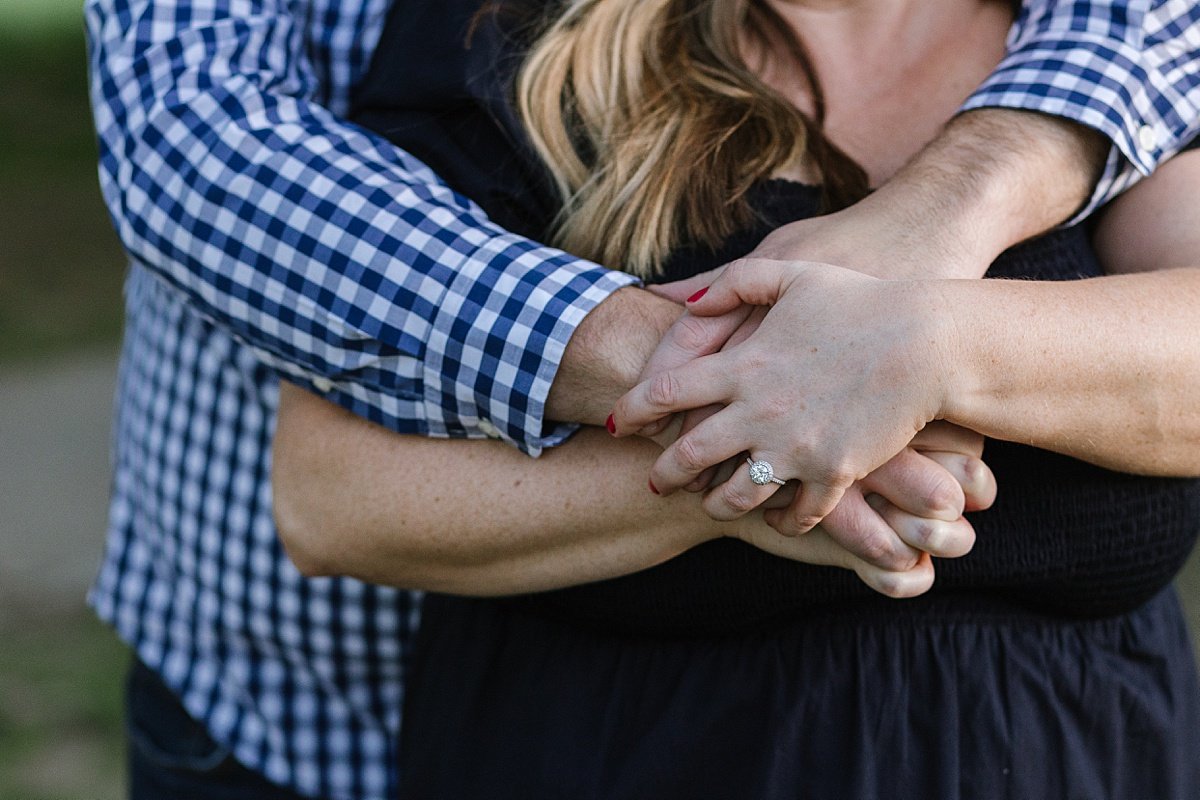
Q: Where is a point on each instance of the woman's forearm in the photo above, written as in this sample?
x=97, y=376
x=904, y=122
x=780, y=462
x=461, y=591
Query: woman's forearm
x=469, y=517
x=1106, y=370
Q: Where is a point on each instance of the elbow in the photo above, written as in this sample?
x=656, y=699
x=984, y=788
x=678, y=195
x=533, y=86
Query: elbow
x=305, y=523
x=305, y=542
x=303, y=545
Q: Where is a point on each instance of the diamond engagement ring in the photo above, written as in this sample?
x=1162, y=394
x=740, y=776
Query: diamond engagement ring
x=762, y=473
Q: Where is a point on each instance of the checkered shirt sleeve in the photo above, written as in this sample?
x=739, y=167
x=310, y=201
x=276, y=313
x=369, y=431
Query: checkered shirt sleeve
x=1130, y=70
x=344, y=263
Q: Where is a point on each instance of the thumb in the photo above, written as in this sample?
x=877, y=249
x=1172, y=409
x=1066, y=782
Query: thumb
x=748, y=281
x=691, y=337
x=680, y=291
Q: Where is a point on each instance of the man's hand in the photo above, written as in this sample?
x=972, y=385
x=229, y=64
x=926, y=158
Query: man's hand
x=992, y=179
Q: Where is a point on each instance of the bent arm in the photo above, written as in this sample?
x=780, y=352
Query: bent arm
x=1108, y=369
x=469, y=517
x=343, y=262
x=1126, y=70
x=478, y=518
x=1105, y=369
x=1085, y=102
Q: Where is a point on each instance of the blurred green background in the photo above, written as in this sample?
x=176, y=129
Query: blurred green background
x=60, y=277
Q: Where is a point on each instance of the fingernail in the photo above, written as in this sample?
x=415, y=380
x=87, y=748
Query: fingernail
x=697, y=295
x=611, y=424
x=654, y=488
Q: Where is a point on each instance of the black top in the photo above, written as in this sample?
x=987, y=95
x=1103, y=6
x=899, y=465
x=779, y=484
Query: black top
x=1064, y=537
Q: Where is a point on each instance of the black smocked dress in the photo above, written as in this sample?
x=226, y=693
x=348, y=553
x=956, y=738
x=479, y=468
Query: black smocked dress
x=1051, y=662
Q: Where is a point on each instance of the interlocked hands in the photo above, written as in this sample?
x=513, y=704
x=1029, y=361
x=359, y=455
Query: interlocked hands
x=840, y=376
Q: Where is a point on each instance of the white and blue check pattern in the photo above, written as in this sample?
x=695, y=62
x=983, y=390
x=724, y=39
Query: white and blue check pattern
x=268, y=237
x=1130, y=70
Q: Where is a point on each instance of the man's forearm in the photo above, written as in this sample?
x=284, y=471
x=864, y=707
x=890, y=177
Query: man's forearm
x=606, y=354
x=994, y=177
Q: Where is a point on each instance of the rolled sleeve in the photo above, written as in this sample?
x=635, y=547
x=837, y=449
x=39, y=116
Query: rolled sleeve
x=1128, y=70
x=343, y=262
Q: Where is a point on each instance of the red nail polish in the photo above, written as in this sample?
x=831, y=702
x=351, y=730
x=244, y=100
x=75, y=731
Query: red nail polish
x=611, y=425
x=654, y=488
x=697, y=295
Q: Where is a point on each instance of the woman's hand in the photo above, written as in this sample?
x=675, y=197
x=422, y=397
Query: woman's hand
x=875, y=346
x=911, y=505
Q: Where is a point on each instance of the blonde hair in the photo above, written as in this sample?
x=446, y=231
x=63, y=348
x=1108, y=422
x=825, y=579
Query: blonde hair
x=653, y=127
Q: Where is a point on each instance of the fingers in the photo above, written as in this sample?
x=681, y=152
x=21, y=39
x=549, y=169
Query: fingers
x=918, y=485
x=749, y=281
x=706, y=478
x=738, y=495
x=941, y=538
x=972, y=474
x=898, y=585
x=699, y=383
x=818, y=547
x=863, y=533
x=948, y=437
x=814, y=502
x=680, y=291
x=691, y=337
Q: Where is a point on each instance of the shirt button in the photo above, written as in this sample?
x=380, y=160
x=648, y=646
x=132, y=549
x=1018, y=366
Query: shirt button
x=1146, y=138
x=323, y=385
x=489, y=429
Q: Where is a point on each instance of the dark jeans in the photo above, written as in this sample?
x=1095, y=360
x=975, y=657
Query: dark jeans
x=172, y=757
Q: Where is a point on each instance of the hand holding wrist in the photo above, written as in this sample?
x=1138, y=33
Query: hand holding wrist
x=607, y=353
x=871, y=342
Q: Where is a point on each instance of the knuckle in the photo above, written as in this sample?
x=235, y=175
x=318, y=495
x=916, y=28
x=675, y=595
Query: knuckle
x=663, y=390
x=944, y=494
x=692, y=334
x=775, y=407
x=927, y=534
x=837, y=472
x=738, y=500
x=882, y=551
x=801, y=523
x=874, y=549
x=688, y=455
x=974, y=471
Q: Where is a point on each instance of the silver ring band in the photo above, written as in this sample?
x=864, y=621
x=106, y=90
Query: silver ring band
x=762, y=473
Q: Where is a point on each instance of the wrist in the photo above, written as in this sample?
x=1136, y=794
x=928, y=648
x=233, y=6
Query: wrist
x=606, y=354
x=932, y=230
x=956, y=337
x=996, y=177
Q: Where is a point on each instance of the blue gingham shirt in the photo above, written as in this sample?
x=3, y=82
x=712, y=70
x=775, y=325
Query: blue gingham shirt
x=268, y=237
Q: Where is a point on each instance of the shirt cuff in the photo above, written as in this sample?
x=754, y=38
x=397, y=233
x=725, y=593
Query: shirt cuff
x=1063, y=79
x=498, y=338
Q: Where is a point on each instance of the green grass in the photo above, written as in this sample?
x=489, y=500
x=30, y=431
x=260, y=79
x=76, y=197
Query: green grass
x=37, y=17
x=61, y=709
x=60, y=264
